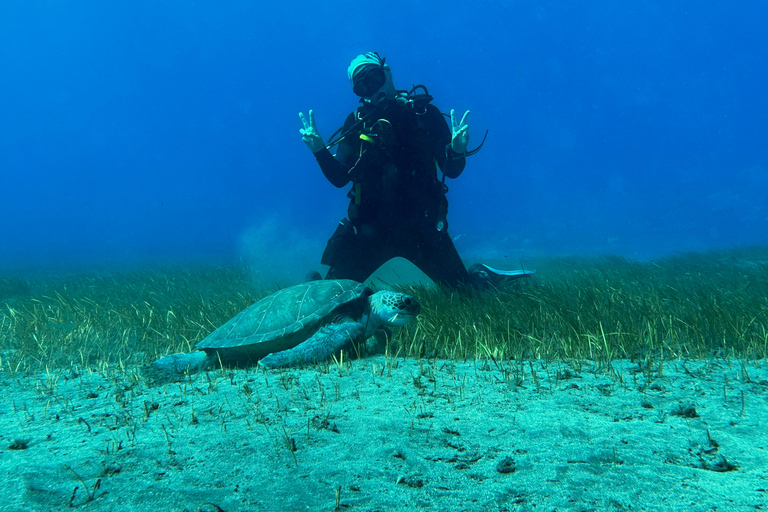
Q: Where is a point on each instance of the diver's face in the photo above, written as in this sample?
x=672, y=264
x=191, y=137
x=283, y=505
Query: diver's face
x=369, y=82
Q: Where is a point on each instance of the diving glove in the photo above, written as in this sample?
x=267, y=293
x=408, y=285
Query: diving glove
x=459, y=133
x=309, y=133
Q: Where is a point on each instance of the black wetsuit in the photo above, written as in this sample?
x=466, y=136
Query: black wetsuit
x=398, y=205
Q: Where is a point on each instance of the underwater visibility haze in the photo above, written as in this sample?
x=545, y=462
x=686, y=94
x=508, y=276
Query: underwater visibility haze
x=154, y=184
x=169, y=131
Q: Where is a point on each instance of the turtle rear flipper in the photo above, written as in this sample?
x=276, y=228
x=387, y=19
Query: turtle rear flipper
x=182, y=362
x=326, y=341
x=173, y=367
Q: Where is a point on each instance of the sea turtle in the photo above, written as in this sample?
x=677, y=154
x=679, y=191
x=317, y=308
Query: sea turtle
x=299, y=324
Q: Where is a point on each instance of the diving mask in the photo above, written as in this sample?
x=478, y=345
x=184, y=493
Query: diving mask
x=370, y=81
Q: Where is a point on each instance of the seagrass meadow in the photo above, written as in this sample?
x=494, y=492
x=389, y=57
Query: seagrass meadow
x=600, y=309
x=599, y=384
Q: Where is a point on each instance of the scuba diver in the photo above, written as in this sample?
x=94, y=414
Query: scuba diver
x=391, y=149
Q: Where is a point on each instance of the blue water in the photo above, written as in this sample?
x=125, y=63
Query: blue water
x=169, y=130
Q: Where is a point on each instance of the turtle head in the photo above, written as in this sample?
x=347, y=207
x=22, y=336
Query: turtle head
x=392, y=308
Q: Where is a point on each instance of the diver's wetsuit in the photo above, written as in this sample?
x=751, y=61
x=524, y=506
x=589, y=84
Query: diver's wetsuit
x=398, y=206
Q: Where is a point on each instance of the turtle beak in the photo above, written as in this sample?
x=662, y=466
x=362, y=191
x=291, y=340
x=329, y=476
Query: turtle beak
x=408, y=307
x=401, y=318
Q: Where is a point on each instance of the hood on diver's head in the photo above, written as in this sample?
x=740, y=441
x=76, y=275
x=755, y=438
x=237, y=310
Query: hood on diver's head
x=362, y=63
x=371, y=78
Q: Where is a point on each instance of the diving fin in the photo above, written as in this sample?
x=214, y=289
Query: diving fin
x=487, y=273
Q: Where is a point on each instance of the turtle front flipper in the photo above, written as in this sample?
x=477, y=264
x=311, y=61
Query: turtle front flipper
x=326, y=341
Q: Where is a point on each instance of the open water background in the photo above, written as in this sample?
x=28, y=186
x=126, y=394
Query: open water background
x=157, y=131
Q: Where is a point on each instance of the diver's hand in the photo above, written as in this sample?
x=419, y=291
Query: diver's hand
x=309, y=134
x=460, y=133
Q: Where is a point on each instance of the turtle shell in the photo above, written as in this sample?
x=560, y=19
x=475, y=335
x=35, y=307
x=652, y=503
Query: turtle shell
x=284, y=319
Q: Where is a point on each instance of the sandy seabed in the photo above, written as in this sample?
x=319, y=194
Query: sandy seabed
x=385, y=434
